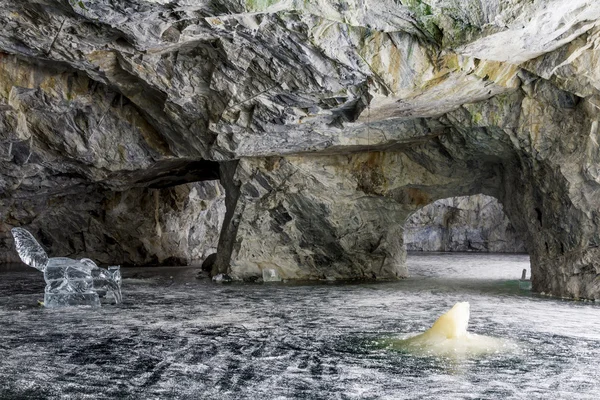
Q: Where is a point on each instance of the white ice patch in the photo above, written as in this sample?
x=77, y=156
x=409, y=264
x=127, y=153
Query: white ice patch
x=448, y=336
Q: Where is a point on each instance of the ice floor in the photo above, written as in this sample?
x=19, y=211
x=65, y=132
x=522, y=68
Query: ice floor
x=178, y=337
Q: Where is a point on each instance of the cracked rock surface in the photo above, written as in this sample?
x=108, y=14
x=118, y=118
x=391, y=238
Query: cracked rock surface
x=328, y=123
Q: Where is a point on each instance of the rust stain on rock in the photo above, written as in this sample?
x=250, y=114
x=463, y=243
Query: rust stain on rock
x=368, y=170
x=272, y=163
x=417, y=197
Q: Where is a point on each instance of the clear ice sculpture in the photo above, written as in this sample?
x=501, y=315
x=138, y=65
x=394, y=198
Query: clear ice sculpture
x=69, y=282
x=270, y=275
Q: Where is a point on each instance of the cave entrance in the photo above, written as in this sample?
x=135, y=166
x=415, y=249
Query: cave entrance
x=170, y=214
x=438, y=236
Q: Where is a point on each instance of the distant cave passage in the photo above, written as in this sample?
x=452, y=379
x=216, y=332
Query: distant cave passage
x=469, y=223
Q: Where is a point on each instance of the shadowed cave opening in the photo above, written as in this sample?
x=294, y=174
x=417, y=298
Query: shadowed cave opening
x=174, y=219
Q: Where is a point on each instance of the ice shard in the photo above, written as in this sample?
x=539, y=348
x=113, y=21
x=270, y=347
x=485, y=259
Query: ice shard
x=69, y=282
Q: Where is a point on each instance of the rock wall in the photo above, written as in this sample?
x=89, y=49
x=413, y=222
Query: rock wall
x=178, y=225
x=338, y=217
x=468, y=223
x=328, y=123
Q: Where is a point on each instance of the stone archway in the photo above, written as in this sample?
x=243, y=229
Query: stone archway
x=550, y=196
x=336, y=216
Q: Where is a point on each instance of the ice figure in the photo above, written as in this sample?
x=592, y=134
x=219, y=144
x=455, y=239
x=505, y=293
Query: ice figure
x=68, y=282
x=449, y=336
x=270, y=275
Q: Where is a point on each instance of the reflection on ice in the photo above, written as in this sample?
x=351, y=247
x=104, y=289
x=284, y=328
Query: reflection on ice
x=68, y=282
x=448, y=336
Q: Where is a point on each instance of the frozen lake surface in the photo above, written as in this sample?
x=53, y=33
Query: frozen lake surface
x=178, y=337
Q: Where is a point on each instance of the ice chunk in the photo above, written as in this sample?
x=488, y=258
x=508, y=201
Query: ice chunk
x=270, y=275
x=451, y=325
x=68, y=282
x=449, y=336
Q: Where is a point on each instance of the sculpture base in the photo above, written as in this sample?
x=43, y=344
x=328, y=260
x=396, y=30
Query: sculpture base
x=54, y=300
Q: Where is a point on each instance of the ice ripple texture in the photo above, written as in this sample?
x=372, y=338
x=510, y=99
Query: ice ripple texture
x=174, y=337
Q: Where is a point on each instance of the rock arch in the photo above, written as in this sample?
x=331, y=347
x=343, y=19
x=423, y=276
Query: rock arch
x=549, y=192
x=340, y=216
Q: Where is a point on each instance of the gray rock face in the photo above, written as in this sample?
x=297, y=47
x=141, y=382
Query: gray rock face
x=334, y=217
x=328, y=123
x=172, y=226
x=468, y=223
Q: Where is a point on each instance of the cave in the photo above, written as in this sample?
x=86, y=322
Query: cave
x=203, y=144
x=91, y=110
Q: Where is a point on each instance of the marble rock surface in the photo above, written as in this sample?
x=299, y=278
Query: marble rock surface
x=328, y=124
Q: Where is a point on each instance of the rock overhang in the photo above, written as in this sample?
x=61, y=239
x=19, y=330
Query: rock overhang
x=496, y=97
